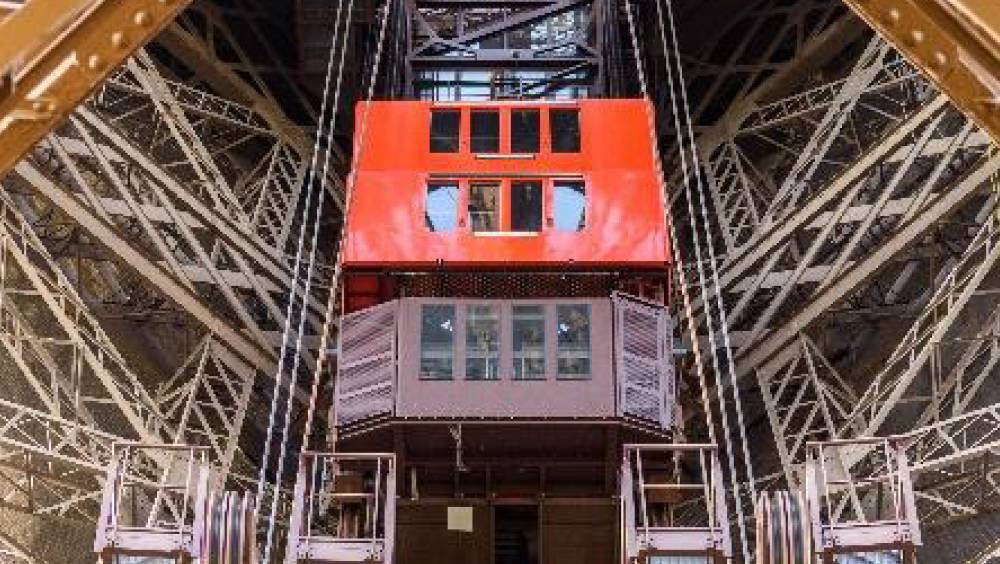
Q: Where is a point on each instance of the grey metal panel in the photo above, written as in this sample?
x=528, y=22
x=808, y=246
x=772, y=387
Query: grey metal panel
x=644, y=360
x=366, y=367
x=505, y=397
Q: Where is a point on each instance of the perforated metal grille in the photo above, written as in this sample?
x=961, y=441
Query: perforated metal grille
x=367, y=364
x=643, y=361
x=501, y=285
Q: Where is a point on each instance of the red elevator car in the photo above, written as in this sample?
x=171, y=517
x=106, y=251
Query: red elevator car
x=506, y=185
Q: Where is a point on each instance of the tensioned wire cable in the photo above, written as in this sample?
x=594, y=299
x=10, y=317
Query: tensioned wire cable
x=683, y=123
x=678, y=260
x=334, y=288
x=338, y=264
x=310, y=185
x=692, y=325
x=713, y=262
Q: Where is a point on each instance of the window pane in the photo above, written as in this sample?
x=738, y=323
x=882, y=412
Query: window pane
x=484, y=209
x=529, y=342
x=437, y=338
x=881, y=557
x=570, y=205
x=482, y=342
x=444, y=131
x=573, y=340
x=526, y=206
x=486, y=131
x=565, y=126
x=524, y=131
x=442, y=207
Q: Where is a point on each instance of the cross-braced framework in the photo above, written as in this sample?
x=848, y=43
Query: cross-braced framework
x=854, y=210
x=469, y=51
x=170, y=201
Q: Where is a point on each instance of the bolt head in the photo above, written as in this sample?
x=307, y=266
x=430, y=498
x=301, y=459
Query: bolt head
x=95, y=62
x=118, y=40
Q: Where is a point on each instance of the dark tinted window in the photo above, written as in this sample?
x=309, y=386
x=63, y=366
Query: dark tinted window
x=524, y=131
x=526, y=206
x=444, y=131
x=565, y=126
x=486, y=131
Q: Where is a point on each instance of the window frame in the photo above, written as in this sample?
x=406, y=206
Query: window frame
x=458, y=222
x=505, y=123
x=502, y=142
x=589, y=374
x=505, y=350
x=498, y=308
x=552, y=112
x=505, y=201
x=499, y=212
x=455, y=335
x=459, y=134
x=539, y=137
x=508, y=212
x=553, y=224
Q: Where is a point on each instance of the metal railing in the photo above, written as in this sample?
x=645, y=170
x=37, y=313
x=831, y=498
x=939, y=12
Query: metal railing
x=344, y=508
x=154, y=500
x=861, y=496
x=667, y=512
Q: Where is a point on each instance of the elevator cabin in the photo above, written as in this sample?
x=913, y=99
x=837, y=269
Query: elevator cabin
x=505, y=331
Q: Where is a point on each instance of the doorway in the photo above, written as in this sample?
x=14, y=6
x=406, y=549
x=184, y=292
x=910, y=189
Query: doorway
x=515, y=534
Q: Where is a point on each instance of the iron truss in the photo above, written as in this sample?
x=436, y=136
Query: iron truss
x=146, y=262
x=856, y=209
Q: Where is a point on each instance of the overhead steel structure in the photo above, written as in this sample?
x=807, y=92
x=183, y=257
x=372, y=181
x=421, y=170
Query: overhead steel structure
x=153, y=198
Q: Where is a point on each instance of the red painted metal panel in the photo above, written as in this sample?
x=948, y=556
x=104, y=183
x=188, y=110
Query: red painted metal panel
x=625, y=226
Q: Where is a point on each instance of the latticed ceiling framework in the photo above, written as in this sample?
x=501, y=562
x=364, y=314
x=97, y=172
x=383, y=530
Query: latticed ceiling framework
x=147, y=245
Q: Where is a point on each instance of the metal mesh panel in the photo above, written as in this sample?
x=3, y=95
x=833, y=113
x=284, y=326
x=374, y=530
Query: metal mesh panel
x=643, y=362
x=367, y=364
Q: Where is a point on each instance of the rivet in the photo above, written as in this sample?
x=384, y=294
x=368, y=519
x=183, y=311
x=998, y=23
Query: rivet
x=892, y=16
x=917, y=36
x=41, y=106
x=95, y=62
x=118, y=40
x=939, y=60
x=142, y=18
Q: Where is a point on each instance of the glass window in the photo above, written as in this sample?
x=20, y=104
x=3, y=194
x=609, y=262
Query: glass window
x=437, y=338
x=524, y=131
x=441, y=213
x=529, y=342
x=484, y=206
x=573, y=340
x=565, y=125
x=482, y=342
x=882, y=557
x=569, y=204
x=444, y=130
x=485, y=131
x=526, y=206
x=680, y=559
